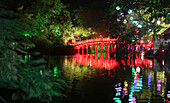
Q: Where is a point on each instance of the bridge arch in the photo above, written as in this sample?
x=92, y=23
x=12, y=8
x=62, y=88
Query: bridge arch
x=108, y=42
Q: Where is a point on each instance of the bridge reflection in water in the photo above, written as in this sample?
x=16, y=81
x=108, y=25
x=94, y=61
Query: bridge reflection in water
x=109, y=63
x=134, y=79
x=93, y=61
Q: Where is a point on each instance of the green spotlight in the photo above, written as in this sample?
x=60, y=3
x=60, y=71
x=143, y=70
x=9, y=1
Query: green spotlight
x=131, y=18
x=117, y=8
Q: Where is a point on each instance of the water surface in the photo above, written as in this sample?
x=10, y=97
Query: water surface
x=102, y=79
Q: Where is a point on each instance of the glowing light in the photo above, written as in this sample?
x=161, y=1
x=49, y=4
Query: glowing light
x=129, y=11
x=118, y=19
x=27, y=35
x=117, y=100
x=117, y=8
x=149, y=80
x=138, y=69
x=139, y=26
x=55, y=72
x=27, y=58
x=149, y=30
x=125, y=21
x=118, y=93
x=159, y=85
x=168, y=95
x=41, y=73
x=134, y=22
x=163, y=63
x=121, y=13
x=158, y=22
x=131, y=18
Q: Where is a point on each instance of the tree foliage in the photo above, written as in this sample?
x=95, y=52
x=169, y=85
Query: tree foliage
x=148, y=12
x=16, y=74
x=51, y=18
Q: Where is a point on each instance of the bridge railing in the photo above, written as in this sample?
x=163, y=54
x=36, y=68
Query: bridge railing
x=96, y=40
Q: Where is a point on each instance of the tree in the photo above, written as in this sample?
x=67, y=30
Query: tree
x=28, y=79
x=147, y=12
x=51, y=18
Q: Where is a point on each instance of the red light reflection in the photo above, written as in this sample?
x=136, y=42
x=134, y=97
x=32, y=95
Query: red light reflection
x=108, y=63
x=96, y=62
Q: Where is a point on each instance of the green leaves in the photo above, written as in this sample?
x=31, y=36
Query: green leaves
x=16, y=74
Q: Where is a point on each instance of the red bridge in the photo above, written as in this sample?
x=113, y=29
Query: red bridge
x=95, y=42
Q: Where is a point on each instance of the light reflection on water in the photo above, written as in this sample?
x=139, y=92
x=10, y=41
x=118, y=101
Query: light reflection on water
x=107, y=80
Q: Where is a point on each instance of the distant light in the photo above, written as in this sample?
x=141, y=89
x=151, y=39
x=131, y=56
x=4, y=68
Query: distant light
x=117, y=8
x=138, y=69
x=134, y=22
x=149, y=30
x=129, y=11
x=139, y=26
x=131, y=18
x=158, y=22
x=168, y=95
x=118, y=19
x=163, y=63
x=121, y=13
x=125, y=21
x=41, y=73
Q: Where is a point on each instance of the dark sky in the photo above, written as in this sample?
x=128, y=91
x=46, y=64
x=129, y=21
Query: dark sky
x=94, y=14
x=75, y=4
x=9, y=3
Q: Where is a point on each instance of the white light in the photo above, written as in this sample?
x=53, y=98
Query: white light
x=149, y=30
x=125, y=21
x=139, y=26
x=129, y=11
x=163, y=63
x=134, y=22
x=168, y=95
x=138, y=69
x=158, y=22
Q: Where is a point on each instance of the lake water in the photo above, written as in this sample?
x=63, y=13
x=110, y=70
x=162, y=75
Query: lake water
x=98, y=78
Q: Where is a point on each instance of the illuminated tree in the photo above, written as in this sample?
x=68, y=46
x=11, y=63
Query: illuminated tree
x=147, y=12
x=50, y=18
x=90, y=18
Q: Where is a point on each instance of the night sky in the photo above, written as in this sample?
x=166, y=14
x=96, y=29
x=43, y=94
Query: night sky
x=94, y=12
x=75, y=4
